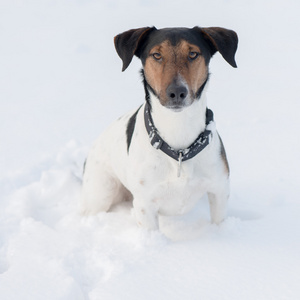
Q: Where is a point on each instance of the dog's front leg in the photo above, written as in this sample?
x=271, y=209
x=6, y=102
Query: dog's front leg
x=218, y=205
x=146, y=213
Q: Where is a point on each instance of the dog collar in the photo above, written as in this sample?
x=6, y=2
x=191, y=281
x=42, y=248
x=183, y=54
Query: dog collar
x=182, y=154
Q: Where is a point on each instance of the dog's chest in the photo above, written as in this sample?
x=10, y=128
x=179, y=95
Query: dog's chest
x=178, y=196
x=172, y=195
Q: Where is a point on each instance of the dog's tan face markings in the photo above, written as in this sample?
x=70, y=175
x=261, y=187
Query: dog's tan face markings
x=182, y=63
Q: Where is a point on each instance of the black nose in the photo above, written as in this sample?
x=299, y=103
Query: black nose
x=176, y=93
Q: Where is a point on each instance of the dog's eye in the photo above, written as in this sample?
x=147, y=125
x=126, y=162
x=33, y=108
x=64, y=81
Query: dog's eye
x=193, y=55
x=157, y=56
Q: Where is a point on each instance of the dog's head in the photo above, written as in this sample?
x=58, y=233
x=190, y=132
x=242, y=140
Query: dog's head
x=175, y=60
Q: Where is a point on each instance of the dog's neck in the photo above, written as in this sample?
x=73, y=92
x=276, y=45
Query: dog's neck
x=179, y=129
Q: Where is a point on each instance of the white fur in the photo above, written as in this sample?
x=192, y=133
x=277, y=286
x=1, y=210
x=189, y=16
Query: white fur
x=149, y=174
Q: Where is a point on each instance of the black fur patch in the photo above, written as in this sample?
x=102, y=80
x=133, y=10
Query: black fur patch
x=130, y=128
x=200, y=90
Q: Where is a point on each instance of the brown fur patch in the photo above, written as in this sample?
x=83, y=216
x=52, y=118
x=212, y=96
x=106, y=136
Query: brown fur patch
x=224, y=157
x=173, y=66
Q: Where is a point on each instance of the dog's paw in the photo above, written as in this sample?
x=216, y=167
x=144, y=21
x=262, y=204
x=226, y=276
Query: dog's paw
x=145, y=218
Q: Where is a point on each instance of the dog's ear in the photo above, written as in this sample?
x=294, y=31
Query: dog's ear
x=127, y=43
x=223, y=40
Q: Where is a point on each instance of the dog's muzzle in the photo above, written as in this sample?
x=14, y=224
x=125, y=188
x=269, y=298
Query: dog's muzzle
x=177, y=96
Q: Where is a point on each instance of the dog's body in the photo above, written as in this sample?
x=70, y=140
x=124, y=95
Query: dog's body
x=125, y=162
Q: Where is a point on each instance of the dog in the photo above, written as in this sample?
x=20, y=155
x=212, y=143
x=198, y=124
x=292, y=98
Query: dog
x=167, y=154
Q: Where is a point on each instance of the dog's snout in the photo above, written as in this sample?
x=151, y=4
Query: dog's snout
x=176, y=93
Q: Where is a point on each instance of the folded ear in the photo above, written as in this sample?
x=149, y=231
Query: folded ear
x=223, y=40
x=127, y=43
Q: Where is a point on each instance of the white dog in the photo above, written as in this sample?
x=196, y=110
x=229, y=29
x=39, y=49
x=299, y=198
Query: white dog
x=167, y=154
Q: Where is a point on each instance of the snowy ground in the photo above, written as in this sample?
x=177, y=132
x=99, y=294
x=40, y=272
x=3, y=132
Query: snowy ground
x=61, y=85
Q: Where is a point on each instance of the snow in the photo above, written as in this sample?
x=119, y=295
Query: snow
x=61, y=84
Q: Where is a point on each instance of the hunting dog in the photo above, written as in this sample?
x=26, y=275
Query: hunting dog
x=167, y=154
